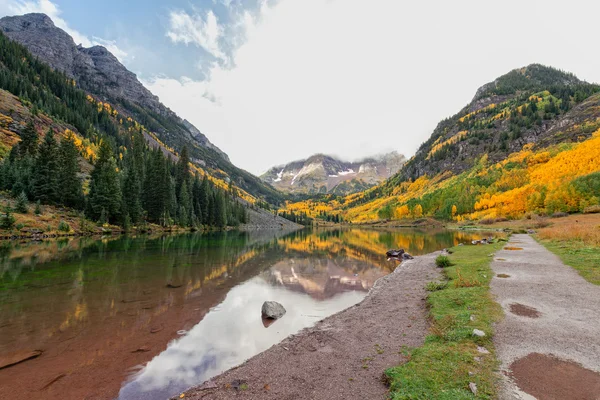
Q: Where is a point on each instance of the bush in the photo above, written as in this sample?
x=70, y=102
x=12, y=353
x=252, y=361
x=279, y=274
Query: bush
x=21, y=205
x=592, y=209
x=7, y=221
x=443, y=261
x=559, y=214
x=38, y=208
x=435, y=286
x=487, y=221
x=63, y=227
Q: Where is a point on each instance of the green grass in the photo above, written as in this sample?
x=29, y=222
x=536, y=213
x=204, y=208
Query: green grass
x=585, y=259
x=440, y=368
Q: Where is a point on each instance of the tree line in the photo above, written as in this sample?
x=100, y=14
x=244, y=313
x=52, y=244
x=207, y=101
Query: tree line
x=139, y=186
x=131, y=183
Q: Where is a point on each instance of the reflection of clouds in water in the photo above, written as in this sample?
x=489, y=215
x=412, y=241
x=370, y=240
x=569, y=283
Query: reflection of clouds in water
x=228, y=336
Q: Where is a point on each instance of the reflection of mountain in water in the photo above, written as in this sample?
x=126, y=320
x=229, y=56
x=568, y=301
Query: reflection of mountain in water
x=322, y=278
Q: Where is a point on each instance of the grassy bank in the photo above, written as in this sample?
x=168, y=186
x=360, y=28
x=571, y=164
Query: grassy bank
x=576, y=240
x=450, y=359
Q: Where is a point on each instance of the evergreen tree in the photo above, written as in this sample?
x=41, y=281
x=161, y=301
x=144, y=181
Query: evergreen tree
x=21, y=204
x=185, y=205
x=71, y=193
x=45, y=177
x=182, y=170
x=105, y=188
x=204, y=201
x=29, y=140
x=132, y=191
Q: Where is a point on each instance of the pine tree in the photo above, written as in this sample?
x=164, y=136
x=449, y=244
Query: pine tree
x=71, y=193
x=185, y=205
x=204, y=200
x=220, y=219
x=21, y=204
x=182, y=170
x=29, y=140
x=132, y=191
x=105, y=188
x=45, y=177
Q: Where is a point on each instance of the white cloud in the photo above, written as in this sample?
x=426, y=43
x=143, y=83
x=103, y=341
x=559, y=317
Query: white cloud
x=352, y=78
x=203, y=31
x=18, y=7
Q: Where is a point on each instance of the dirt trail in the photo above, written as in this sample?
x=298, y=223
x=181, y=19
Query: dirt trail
x=550, y=338
x=343, y=356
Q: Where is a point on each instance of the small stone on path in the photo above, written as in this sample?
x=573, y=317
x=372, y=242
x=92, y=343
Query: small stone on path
x=477, y=332
x=473, y=388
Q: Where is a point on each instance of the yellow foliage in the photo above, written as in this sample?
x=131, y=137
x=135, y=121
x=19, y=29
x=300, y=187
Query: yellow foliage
x=454, y=139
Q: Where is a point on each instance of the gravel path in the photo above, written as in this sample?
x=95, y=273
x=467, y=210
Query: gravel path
x=552, y=316
x=343, y=356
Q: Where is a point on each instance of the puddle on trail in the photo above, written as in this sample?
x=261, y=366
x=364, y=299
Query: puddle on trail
x=524, y=311
x=546, y=377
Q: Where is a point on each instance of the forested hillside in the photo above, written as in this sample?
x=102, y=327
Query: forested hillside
x=99, y=73
x=102, y=163
x=528, y=142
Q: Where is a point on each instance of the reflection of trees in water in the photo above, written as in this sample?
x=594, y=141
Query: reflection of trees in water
x=79, y=281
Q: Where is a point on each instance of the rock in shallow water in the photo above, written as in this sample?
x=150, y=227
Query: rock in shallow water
x=272, y=309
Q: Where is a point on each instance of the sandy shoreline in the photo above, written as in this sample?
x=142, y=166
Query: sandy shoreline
x=342, y=356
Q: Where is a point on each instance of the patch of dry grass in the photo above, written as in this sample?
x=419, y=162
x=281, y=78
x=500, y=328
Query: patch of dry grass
x=582, y=228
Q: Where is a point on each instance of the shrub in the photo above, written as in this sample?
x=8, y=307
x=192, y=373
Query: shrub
x=38, y=208
x=592, y=209
x=487, y=221
x=443, y=261
x=7, y=221
x=20, y=226
x=21, y=205
x=560, y=214
x=435, y=286
x=63, y=226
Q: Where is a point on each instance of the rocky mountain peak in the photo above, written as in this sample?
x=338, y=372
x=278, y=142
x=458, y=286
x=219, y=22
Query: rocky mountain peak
x=100, y=73
x=321, y=173
x=29, y=21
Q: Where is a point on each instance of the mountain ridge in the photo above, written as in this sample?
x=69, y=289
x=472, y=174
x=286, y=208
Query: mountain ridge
x=100, y=74
x=321, y=173
x=527, y=143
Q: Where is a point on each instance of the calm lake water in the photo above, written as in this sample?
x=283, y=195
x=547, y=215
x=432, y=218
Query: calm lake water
x=146, y=317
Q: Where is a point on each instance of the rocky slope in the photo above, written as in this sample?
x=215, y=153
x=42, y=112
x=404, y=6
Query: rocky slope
x=534, y=104
x=99, y=73
x=326, y=174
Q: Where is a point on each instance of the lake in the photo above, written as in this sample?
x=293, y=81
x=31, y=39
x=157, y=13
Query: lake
x=146, y=317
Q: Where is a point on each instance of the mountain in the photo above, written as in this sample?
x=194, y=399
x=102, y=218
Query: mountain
x=327, y=174
x=534, y=104
x=100, y=74
x=528, y=142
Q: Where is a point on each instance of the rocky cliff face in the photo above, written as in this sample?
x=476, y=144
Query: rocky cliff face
x=326, y=174
x=99, y=72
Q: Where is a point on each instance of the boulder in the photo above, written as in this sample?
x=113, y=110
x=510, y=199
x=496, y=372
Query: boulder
x=406, y=256
x=395, y=253
x=272, y=310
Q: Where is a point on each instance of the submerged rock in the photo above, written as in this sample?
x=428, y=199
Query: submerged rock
x=272, y=310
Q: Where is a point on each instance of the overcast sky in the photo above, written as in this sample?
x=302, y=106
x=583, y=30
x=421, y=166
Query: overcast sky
x=274, y=81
